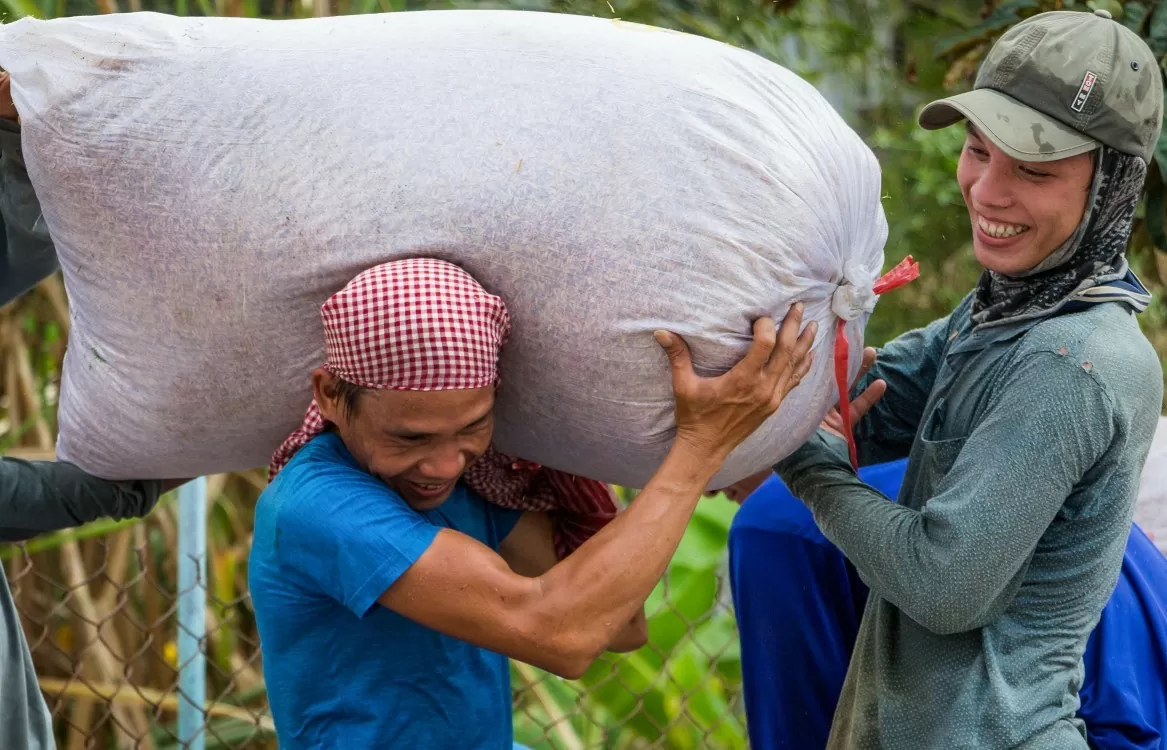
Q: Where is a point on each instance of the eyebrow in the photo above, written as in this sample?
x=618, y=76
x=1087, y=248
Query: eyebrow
x=407, y=435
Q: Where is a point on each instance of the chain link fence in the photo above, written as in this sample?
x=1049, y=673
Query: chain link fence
x=100, y=609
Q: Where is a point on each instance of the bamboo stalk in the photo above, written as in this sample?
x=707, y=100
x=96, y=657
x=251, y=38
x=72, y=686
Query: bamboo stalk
x=53, y=291
x=116, y=573
x=26, y=382
x=243, y=673
x=169, y=527
x=257, y=479
x=12, y=384
x=215, y=485
x=153, y=608
x=125, y=718
x=119, y=694
x=32, y=454
x=80, y=716
x=560, y=724
x=118, y=560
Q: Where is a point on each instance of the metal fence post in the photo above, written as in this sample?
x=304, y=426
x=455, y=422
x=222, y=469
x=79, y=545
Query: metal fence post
x=192, y=613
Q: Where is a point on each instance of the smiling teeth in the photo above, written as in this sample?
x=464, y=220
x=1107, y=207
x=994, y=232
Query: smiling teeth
x=1000, y=231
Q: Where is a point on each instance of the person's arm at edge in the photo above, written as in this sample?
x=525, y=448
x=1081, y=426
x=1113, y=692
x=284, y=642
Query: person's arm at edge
x=42, y=496
x=28, y=255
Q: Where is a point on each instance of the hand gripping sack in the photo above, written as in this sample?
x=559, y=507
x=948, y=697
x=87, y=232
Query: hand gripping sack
x=209, y=182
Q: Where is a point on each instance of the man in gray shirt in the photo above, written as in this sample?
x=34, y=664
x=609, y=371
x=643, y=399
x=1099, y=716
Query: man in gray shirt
x=38, y=496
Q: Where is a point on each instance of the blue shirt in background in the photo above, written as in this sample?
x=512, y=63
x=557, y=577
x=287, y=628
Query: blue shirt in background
x=341, y=670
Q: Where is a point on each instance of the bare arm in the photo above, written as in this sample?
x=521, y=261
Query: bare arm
x=566, y=617
x=529, y=550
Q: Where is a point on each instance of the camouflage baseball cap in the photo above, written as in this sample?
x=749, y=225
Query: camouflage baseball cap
x=1059, y=84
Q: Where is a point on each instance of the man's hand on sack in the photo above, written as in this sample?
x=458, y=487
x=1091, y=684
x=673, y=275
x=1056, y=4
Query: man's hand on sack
x=7, y=108
x=714, y=415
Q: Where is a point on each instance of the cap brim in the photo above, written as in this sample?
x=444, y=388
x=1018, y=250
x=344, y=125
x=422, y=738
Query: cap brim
x=1020, y=131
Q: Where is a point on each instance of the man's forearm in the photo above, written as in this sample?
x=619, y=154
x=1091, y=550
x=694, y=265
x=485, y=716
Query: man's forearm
x=597, y=590
x=41, y=496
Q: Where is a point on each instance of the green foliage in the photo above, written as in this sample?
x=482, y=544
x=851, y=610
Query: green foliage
x=879, y=61
x=682, y=690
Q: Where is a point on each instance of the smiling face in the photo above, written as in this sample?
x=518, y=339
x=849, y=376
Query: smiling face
x=1021, y=212
x=417, y=442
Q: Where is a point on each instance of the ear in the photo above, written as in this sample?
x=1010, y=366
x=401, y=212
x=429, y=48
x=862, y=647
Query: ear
x=324, y=393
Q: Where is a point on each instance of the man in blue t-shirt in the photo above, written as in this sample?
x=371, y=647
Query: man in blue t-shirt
x=388, y=594
x=797, y=628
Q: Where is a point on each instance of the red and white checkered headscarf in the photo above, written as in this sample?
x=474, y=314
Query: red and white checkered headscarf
x=427, y=325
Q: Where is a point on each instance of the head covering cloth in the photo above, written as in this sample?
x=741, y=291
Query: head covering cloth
x=1087, y=266
x=426, y=325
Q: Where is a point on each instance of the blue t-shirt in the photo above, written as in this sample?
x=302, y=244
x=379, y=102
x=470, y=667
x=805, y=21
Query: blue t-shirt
x=341, y=670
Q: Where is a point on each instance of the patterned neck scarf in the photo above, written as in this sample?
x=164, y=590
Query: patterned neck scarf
x=1090, y=267
x=427, y=325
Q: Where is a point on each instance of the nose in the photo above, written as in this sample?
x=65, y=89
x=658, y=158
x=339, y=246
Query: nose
x=445, y=463
x=993, y=187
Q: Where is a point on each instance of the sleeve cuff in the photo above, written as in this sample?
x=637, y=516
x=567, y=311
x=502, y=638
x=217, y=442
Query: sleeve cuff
x=822, y=448
x=387, y=573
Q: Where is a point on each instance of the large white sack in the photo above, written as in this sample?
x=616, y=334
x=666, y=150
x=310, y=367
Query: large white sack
x=210, y=182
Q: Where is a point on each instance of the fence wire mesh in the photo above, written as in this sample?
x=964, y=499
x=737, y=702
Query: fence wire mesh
x=99, y=608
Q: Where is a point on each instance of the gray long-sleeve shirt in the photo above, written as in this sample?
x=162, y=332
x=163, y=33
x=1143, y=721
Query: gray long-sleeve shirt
x=38, y=496
x=1025, y=447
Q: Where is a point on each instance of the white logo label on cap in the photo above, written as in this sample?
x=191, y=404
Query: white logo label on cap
x=1084, y=91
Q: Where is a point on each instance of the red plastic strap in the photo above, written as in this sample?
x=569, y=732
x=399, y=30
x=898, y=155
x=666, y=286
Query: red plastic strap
x=907, y=270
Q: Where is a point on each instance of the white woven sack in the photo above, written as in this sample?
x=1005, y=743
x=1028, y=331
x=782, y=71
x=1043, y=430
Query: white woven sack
x=210, y=182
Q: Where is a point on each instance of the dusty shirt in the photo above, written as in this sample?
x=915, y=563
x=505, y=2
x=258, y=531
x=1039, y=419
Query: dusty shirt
x=1025, y=446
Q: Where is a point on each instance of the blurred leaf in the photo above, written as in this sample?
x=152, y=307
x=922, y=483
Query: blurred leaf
x=1157, y=33
x=21, y=8
x=691, y=595
x=1113, y=7
x=1134, y=14
x=627, y=689
x=1160, y=155
x=1156, y=208
x=1007, y=14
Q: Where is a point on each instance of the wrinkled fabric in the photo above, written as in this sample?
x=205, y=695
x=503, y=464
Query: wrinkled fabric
x=1025, y=444
x=1092, y=256
x=578, y=507
x=604, y=178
